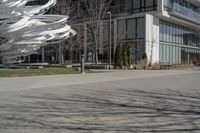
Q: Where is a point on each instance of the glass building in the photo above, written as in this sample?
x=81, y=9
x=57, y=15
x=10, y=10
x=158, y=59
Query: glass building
x=166, y=30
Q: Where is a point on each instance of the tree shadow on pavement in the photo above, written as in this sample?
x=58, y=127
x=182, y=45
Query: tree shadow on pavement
x=125, y=110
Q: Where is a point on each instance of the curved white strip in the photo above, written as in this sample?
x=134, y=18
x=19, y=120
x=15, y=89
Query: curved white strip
x=24, y=28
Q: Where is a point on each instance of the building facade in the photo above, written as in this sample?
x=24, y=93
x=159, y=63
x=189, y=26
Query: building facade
x=25, y=30
x=166, y=30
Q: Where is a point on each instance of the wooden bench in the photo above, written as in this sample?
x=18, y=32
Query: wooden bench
x=164, y=64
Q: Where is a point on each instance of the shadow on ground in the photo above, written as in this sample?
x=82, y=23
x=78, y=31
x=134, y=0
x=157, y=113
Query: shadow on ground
x=124, y=110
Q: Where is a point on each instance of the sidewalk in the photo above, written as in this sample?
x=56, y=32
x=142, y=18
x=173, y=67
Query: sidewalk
x=24, y=83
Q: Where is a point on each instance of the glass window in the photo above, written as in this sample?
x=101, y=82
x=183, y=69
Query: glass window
x=182, y=32
x=168, y=32
x=164, y=32
x=171, y=55
x=131, y=29
x=136, y=6
x=142, y=5
x=164, y=52
x=161, y=31
x=168, y=52
x=149, y=5
x=185, y=39
x=140, y=28
x=160, y=52
x=173, y=34
x=121, y=29
x=167, y=5
x=180, y=35
x=177, y=56
x=176, y=34
x=128, y=5
x=198, y=39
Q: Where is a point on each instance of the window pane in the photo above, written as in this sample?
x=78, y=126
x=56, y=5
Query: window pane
x=168, y=32
x=149, y=5
x=171, y=55
x=129, y=5
x=168, y=56
x=164, y=32
x=142, y=5
x=164, y=52
x=136, y=6
x=174, y=55
x=173, y=34
x=177, y=38
x=179, y=34
x=161, y=31
x=167, y=5
x=131, y=30
x=140, y=28
x=121, y=29
x=161, y=52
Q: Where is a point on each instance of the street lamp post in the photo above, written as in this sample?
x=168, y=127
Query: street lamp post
x=110, y=52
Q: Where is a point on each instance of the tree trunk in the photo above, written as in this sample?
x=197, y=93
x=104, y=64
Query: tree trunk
x=96, y=56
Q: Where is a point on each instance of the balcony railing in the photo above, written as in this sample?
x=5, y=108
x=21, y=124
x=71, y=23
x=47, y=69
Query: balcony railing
x=185, y=12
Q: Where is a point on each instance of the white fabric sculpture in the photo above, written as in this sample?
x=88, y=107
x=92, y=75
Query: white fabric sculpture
x=24, y=27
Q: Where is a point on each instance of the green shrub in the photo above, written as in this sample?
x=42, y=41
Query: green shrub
x=94, y=67
x=129, y=54
x=122, y=55
x=118, y=56
x=144, y=56
x=125, y=56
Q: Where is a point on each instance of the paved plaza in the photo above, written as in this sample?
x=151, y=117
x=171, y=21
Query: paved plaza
x=111, y=102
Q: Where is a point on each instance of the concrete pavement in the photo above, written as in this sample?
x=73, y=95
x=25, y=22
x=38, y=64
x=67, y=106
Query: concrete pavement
x=116, y=102
x=25, y=83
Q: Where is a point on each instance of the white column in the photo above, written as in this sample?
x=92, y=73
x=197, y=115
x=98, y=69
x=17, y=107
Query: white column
x=152, y=38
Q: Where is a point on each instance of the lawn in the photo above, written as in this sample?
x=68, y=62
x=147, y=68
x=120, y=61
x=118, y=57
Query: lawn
x=36, y=72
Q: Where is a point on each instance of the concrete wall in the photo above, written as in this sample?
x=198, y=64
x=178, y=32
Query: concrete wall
x=152, y=38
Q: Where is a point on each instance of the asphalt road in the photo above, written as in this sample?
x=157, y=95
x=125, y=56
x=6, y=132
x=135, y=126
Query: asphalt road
x=157, y=101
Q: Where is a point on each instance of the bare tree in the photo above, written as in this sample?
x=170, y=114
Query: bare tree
x=91, y=12
x=94, y=12
x=76, y=43
x=64, y=7
x=68, y=8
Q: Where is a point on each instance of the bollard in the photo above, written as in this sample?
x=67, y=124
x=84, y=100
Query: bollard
x=82, y=64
